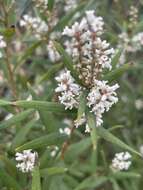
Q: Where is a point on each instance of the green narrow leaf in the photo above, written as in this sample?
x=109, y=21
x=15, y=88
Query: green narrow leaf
x=47, y=140
x=105, y=134
x=16, y=119
x=26, y=54
x=93, y=131
x=52, y=171
x=51, y=72
x=76, y=149
x=67, y=18
x=9, y=181
x=4, y=103
x=116, y=73
x=51, y=4
x=36, y=181
x=44, y=105
x=92, y=183
x=82, y=106
x=123, y=175
x=9, y=165
x=115, y=59
x=21, y=135
x=67, y=61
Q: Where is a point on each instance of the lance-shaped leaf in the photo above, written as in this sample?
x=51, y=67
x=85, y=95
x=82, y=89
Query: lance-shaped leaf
x=123, y=175
x=116, y=73
x=8, y=181
x=52, y=171
x=36, y=181
x=27, y=53
x=92, y=183
x=105, y=134
x=68, y=17
x=51, y=72
x=115, y=59
x=82, y=106
x=4, y=103
x=22, y=133
x=44, y=105
x=47, y=140
x=67, y=61
x=16, y=119
x=50, y=4
x=76, y=149
x=93, y=131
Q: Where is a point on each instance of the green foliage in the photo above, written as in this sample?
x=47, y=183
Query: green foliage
x=31, y=117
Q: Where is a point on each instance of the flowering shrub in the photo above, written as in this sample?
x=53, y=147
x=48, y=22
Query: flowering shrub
x=71, y=95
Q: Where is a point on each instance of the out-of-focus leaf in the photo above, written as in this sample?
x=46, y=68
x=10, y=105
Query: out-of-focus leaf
x=123, y=175
x=21, y=134
x=67, y=61
x=9, y=181
x=92, y=182
x=105, y=134
x=27, y=53
x=115, y=59
x=67, y=18
x=82, y=106
x=93, y=132
x=51, y=72
x=44, y=105
x=9, y=165
x=47, y=140
x=52, y=171
x=51, y=4
x=4, y=103
x=76, y=149
x=16, y=119
x=36, y=182
x=115, y=74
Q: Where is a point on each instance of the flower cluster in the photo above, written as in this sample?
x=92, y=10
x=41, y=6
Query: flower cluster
x=133, y=16
x=138, y=40
x=121, y=161
x=68, y=89
x=26, y=160
x=35, y=24
x=129, y=44
x=2, y=44
x=101, y=98
x=91, y=55
x=41, y=4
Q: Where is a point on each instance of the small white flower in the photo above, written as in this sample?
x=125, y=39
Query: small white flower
x=87, y=128
x=54, y=151
x=138, y=40
x=2, y=42
x=66, y=131
x=101, y=98
x=38, y=26
x=26, y=160
x=52, y=52
x=81, y=121
x=141, y=149
x=68, y=89
x=139, y=104
x=121, y=161
x=8, y=116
